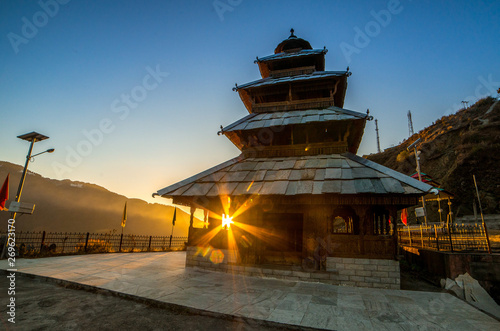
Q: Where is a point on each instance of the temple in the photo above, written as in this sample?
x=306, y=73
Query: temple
x=298, y=202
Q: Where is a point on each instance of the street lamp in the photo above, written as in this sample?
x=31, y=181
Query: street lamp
x=31, y=137
x=50, y=150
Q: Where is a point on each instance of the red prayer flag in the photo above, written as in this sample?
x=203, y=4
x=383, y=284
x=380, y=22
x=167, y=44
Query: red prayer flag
x=4, y=193
x=404, y=216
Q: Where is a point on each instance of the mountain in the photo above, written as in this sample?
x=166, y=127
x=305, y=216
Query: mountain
x=68, y=206
x=453, y=149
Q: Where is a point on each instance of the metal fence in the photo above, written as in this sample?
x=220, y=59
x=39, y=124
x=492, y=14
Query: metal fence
x=54, y=243
x=441, y=237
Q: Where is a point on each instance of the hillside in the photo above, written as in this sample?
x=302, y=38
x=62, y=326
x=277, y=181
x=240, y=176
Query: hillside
x=67, y=206
x=453, y=149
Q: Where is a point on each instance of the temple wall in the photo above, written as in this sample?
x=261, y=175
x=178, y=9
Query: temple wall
x=314, y=233
x=340, y=271
x=365, y=272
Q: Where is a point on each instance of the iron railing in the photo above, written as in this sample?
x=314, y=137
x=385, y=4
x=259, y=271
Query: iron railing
x=441, y=237
x=54, y=243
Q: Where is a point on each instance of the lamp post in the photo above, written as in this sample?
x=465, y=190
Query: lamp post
x=414, y=146
x=31, y=137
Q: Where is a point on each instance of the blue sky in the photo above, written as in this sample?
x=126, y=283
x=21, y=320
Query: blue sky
x=66, y=72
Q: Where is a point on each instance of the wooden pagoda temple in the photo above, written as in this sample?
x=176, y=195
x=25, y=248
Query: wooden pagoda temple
x=298, y=197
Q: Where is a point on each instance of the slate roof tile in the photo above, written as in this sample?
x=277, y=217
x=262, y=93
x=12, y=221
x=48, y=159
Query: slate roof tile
x=199, y=189
x=346, y=173
x=305, y=187
x=235, y=176
x=348, y=187
x=295, y=175
x=270, y=175
x=321, y=174
x=283, y=174
x=332, y=186
x=363, y=186
x=333, y=173
x=307, y=174
x=222, y=189
x=317, y=187
x=363, y=173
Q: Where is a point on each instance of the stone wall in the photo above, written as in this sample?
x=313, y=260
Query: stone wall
x=340, y=271
x=365, y=272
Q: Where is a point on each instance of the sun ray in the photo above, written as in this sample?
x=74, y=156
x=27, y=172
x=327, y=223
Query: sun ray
x=262, y=234
x=232, y=247
x=206, y=238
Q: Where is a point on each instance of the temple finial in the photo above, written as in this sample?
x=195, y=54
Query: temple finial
x=291, y=32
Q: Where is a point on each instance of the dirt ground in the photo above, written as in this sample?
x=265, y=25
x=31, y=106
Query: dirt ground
x=46, y=305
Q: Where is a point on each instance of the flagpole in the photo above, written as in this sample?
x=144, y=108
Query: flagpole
x=124, y=220
x=482, y=217
x=173, y=224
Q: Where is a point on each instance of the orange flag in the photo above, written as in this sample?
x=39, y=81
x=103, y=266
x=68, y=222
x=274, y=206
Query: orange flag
x=404, y=216
x=4, y=193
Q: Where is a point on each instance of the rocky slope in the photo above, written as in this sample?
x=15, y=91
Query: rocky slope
x=453, y=149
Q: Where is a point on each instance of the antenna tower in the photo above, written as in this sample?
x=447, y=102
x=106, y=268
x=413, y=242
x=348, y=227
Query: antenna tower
x=410, y=124
x=378, y=139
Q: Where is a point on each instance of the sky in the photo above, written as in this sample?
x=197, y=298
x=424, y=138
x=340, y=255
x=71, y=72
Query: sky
x=132, y=93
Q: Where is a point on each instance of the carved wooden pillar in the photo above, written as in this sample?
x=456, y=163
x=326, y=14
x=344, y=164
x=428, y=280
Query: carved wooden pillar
x=365, y=220
x=393, y=212
x=363, y=213
x=191, y=216
x=205, y=218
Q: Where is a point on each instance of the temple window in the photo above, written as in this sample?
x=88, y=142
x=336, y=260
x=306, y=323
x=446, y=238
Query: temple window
x=342, y=221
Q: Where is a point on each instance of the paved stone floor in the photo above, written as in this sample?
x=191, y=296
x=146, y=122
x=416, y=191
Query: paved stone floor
x=163, y=277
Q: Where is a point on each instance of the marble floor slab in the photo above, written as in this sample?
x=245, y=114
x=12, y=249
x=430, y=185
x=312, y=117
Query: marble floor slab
x=163, y=277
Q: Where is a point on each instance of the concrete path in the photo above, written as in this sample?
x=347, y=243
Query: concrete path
x=163, y=277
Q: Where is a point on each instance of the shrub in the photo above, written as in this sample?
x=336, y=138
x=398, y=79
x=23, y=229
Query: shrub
x=402, y=156
x=95, y=245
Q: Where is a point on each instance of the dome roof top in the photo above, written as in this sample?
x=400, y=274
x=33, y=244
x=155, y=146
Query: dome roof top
x=293, y=43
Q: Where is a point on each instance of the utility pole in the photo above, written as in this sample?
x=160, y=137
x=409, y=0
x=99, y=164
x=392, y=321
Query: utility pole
x=410, y=124
x=482, y=217
x=378, y=139
x=414, y=147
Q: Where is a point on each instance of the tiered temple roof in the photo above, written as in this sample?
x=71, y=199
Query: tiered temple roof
x=297, y=139
x=345, y=174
